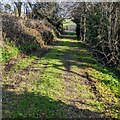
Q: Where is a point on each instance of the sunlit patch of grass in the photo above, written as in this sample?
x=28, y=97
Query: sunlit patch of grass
x=51, y=83
x=11, y=50
x=23, y=63
x=68, y=22
x=107, y=84
x=95, y=69
x=8, y=51
x=107, y=79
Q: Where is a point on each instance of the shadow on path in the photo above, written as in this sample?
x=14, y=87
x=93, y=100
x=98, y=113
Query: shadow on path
x=34, y=105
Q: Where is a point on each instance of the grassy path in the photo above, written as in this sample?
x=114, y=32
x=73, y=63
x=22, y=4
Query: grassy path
x=67, y=83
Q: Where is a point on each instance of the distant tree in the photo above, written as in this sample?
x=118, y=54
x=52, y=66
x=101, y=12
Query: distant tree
x=0, y=10
x=7, y=8
x=15, y=11
x=49, y=11
x=78, y=30
x=1, y=7
x=18, y=6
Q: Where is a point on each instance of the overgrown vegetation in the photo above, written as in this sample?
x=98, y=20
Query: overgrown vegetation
x=99, y=27
x=9, y=51
x=24, y=33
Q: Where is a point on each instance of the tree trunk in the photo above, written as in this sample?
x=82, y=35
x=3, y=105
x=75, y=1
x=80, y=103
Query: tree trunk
x=18, y=6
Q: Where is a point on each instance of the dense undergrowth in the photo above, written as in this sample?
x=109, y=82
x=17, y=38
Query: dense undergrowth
x=26, y=33
x=98, y=25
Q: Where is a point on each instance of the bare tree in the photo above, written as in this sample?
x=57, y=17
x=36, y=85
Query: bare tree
x=18, y=6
